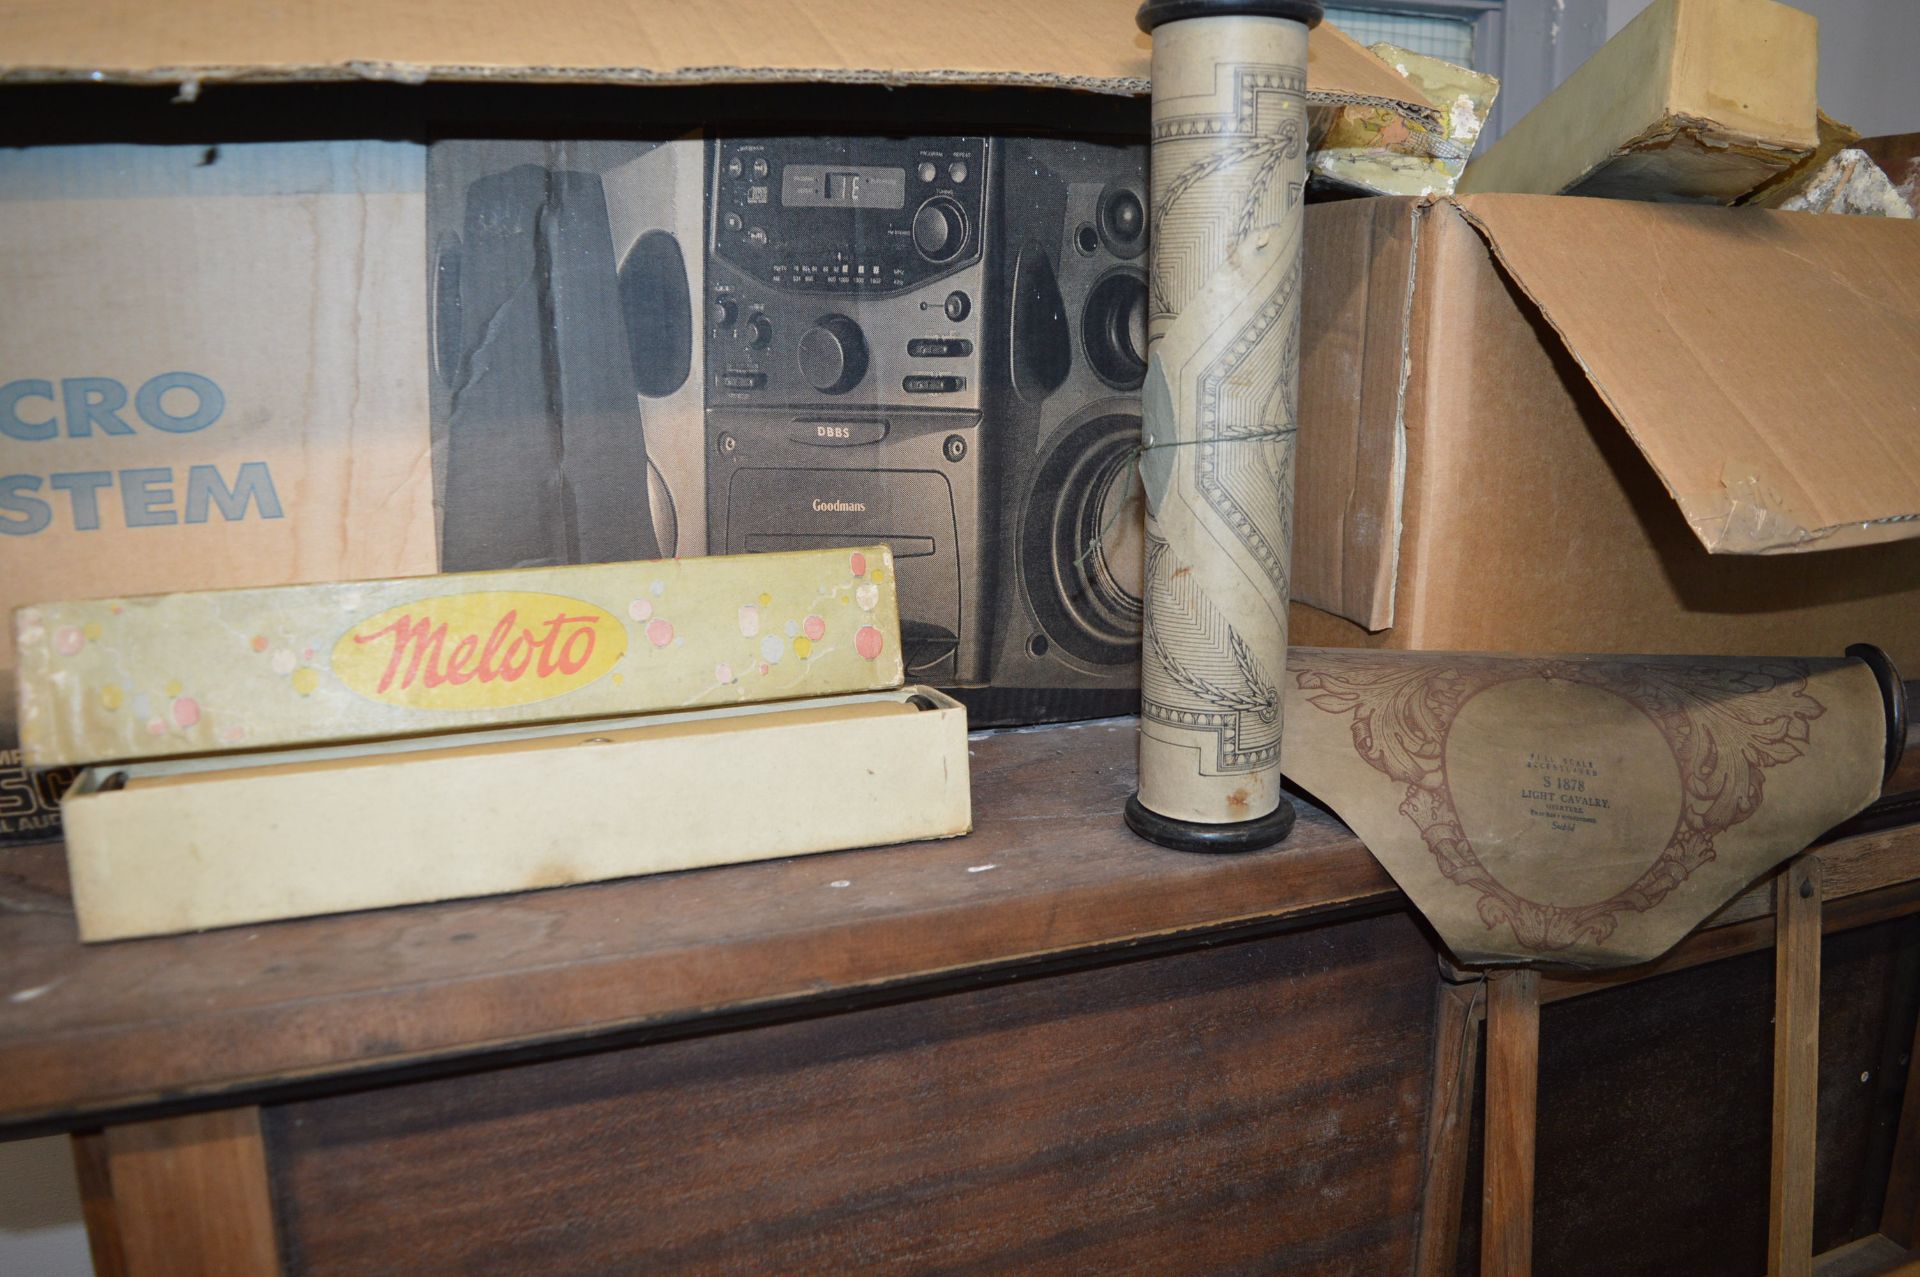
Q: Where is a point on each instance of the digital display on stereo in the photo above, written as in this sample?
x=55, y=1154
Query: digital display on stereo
x=854, y=216
x=842, y=186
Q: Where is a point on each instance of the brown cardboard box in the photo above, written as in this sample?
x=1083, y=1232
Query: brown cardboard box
x=1536, y=423
x=1693, y=100
x=213, y=376
x=1089, y=45
x=228, y=361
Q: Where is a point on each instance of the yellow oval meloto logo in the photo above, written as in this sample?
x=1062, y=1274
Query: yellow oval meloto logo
x=479, y=651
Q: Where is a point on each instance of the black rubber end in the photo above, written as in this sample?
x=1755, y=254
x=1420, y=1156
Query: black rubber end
x=1157, y=12
x=1893, y=698
x=1218, y=840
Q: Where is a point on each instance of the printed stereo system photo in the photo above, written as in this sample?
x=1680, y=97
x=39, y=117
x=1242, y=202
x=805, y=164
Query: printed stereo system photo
x=744, y=344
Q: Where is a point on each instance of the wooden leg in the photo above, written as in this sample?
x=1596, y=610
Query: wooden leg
x=1513, y=1084
x=1796, y=1067
x=1456, y=1067
x=96, y=1204
x=190, y=1195
x=1900, y=1214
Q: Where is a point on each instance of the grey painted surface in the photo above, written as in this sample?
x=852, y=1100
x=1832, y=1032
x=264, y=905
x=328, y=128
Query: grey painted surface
x=1868, y=49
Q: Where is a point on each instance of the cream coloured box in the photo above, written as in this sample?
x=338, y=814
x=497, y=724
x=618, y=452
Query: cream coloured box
x=182, y=845
x=228, y=670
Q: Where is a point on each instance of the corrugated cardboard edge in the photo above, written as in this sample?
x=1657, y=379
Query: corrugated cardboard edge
x=1766, y=157
x=1357, y=364
x=190, y=80
x=1387, y=600
x=1366, y=79
x=1746, y=515
x=1324, y=100
x=1834, y=138
x=1385, y=587
x=1340, y=71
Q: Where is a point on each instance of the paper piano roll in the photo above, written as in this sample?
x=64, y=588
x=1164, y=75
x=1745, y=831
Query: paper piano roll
x=1229, y=162
x=1587, y=811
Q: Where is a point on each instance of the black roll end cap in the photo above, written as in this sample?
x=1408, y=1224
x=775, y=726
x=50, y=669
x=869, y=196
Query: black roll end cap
x=1893, y=699
x=1153, y=13
x=1217, y=840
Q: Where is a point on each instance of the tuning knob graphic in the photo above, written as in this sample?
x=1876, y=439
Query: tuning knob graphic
x=940, y=229
x=833, y=355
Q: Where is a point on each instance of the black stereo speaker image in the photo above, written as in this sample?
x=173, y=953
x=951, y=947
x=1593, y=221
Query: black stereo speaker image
x=565, y=395
x=1067, y=419
x=656, y=208
x=848, y=313
x=760, y=343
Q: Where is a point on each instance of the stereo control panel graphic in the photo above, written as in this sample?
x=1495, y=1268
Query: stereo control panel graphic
x=847, y=329
x=752, y=343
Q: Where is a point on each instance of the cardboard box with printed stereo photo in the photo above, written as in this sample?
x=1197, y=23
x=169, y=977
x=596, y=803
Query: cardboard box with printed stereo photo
x=458, y=289
x=1554, y=424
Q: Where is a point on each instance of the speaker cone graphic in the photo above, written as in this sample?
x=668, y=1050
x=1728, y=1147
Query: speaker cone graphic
x=1113, y=329
x=1081, y=539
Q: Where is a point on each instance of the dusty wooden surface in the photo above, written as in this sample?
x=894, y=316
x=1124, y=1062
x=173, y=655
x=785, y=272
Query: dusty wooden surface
x=1870, y=899
x=1900, y=1211
x=1050, y=869
x=94, y=1179
x=1513, y=1082
x=122, y=1026
x=1796, y=1067
x=1655, y=1101
x=190, y=1196
x=1458, y=1021
x=963, y=944
x=1252, y=1107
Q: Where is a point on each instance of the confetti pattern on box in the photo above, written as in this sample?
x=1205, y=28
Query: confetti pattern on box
x=229, y=669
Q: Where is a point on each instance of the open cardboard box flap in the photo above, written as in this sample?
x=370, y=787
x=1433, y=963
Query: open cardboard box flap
x=1766, y=364
x=1083, y=44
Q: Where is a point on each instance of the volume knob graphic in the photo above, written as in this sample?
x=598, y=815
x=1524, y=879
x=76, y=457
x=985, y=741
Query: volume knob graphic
x=833, y=355
x=940, y=229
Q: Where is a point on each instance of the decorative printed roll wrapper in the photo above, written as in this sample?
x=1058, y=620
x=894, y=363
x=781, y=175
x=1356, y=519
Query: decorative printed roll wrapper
x=1229, y=160
x=1586, y=811
x=227, y=670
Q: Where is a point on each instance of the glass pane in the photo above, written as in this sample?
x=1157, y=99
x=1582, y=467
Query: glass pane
x=1449, y=38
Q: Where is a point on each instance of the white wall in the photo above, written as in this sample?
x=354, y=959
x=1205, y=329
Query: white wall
x=40, y=1229
x=1867, y=52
